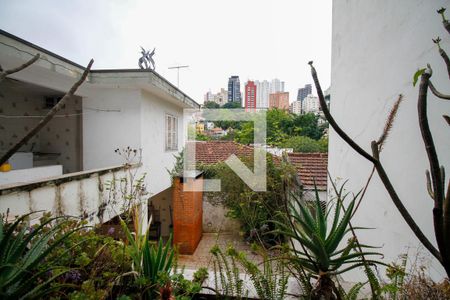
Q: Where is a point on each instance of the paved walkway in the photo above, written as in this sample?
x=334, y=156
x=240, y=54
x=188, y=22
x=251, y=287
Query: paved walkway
x=203, y=258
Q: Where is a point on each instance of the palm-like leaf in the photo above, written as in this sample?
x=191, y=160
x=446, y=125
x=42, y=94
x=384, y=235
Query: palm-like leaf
x=22, y=250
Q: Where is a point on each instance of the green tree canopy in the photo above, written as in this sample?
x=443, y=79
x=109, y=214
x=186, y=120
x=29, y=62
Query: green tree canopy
x=211, y=104
x=308, y=125
x=306, y=144
x=232, y=105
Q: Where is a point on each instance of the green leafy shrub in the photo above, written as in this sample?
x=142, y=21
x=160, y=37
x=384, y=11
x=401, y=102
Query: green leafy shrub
x=200, y=275
x=253, y=210
x=95, y=262
x=182, y=287
x=306, y=144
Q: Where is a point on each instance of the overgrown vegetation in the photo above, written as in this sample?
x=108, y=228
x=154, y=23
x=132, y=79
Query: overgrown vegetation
x=269, y=280
x=254, y=210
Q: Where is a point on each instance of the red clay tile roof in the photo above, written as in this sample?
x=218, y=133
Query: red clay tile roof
x=211, y=152
x=310, y=167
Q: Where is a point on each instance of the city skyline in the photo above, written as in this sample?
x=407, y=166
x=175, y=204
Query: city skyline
x=264, y=88
x=184, y=33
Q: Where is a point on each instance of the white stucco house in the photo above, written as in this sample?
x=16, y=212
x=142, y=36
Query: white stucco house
x=73, y=156
x=377, y=46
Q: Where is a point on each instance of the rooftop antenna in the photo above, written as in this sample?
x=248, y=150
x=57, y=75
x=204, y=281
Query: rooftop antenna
x=178, y=73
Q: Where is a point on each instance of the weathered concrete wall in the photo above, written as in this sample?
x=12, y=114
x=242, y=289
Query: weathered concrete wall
x=81, y=194
x=214, y=216
x=377, y=47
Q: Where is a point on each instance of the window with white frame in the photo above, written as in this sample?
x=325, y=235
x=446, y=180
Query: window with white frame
x=171, y=132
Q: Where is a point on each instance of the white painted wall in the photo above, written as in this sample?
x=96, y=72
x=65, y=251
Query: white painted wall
x=117, y=118
x=377, y=47
x=111, y=120
x=156, y=160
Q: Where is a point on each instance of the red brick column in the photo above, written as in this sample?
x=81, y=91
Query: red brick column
x=187, y=214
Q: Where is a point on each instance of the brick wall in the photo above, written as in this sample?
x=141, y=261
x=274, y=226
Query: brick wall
x=187, y=215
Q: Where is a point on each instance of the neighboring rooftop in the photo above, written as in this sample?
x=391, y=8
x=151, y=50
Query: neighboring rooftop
x=311, y=167
x=211, y=152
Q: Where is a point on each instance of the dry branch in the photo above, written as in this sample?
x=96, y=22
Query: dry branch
x=436, y=92
x=48, y=117
x=446, y=60
x=331, y=120
x=4, y=74
x=447, y=119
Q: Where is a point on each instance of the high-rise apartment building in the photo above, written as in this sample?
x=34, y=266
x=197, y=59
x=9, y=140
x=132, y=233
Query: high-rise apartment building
x=208, y=97
x=303, y=92
x=234, y=89
x=279, y=100
x=250, y=95
x=262, y=93
x=265, y=88
x=296, y=107
x=310, y=104
x=276, y=85
x=220, y=98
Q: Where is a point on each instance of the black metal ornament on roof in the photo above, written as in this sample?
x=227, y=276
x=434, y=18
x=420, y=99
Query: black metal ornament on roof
x=146, y=60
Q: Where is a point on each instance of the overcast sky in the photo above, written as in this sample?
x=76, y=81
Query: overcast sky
x=255, y=39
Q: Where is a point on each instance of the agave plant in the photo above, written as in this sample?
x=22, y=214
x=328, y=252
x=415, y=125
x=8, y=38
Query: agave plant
x=22, y=252
x=317, y=245
x=157, y=260
x=150, y=262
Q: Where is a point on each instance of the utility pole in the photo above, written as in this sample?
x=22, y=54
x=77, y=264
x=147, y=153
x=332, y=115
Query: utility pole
x=178, y=73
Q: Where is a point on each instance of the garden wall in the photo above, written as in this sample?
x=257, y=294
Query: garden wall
x=81, y=194
x=214, y=216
